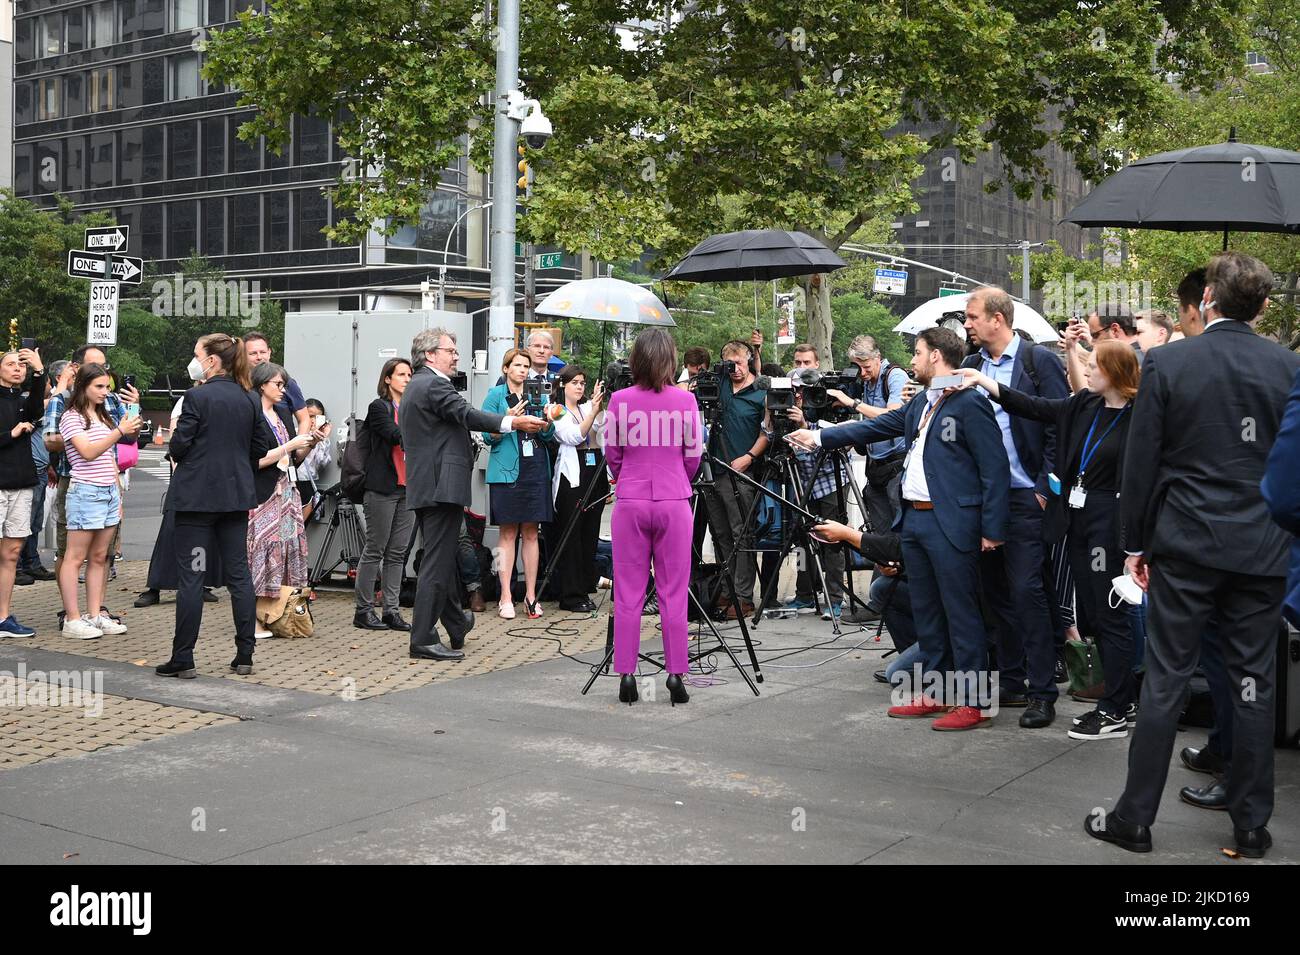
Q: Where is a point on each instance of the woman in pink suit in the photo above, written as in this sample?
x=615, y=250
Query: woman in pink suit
x=653, y=443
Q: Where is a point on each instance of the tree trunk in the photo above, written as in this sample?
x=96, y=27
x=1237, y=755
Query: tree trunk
x=817, y=295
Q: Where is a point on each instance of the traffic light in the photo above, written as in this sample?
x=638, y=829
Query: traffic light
x=521, y=186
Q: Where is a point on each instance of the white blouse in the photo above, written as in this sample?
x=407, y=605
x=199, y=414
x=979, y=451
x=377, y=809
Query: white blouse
x=569, y=434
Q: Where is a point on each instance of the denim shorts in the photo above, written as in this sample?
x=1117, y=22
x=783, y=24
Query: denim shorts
x=92, y=507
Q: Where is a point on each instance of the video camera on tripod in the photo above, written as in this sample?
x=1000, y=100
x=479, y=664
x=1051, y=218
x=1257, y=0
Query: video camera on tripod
x=537, y=392
x=814, y=386
x=618, y=375
x=708, y=386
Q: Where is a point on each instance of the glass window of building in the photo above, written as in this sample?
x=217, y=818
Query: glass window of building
x=139, y=155
x=182, y=229
x=185, y=79
x=100, y=24
x=49, y=160
x=187, y=14
x=49, y=35
x=23, y=112
x=245, y=224
x=214, y=146
x=311, y=141
x=277, y=222
x=183, y=148
x=313, y=215
x=74, y=94
x=141, y=18
x=23, y=170
x=100, y=166
x=128, y=85
x=24, y=43
x=48, y=101
x=129, y=216
x=100, y=89
x=216, y=11
x=74, y=164
x=244, y=156
x=75, y=24
x=153, y=154
x=214, y=226
x=240, y=5
x=271, y=160
x=151, y=231
x=154, y=83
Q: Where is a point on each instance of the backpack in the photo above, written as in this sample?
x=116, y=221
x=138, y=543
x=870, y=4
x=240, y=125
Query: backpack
x=1027, y=360
x=352, y=462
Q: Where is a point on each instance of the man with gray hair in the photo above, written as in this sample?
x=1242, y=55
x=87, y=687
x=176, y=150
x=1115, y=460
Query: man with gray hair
x=1201, y=543
x=435, y=422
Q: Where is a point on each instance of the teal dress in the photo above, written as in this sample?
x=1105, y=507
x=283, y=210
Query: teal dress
x=527, y=498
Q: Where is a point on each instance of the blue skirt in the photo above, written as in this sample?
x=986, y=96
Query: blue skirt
x=528, y=499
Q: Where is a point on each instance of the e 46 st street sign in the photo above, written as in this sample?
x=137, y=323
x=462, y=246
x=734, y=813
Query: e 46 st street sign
x=90, y=265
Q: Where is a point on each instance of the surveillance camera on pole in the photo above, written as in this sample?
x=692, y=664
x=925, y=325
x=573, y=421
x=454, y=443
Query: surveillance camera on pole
x=535, y=128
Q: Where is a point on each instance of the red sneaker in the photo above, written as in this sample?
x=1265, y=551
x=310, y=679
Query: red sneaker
x=961, y=718
x=919, y=707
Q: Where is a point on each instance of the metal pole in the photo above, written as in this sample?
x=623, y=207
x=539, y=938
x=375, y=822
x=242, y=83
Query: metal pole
x=1024, y=271
x=501, y=313
x=530, y=277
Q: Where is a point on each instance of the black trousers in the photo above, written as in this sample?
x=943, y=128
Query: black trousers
x=1247, y=608
x=162, y=563
x=437, y=591
x=574, y=576
x=197, y=535
x=1096, y=560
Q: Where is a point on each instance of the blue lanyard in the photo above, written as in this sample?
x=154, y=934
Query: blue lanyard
x=1087, y=453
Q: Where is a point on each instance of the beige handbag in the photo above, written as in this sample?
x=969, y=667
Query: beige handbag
x=288, y=615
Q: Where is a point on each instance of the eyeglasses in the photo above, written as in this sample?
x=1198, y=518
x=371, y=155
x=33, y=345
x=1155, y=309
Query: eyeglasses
x=276, y=384
x=454, y=351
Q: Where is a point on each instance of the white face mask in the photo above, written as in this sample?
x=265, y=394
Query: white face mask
x=195, y=370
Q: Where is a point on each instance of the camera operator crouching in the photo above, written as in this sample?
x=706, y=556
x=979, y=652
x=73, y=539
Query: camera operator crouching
x=737, y=440
x=878, y=389
x=824, y=493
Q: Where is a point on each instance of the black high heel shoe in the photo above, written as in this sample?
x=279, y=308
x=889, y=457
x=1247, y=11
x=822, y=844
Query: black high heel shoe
x=677, y=693
x=627, y=689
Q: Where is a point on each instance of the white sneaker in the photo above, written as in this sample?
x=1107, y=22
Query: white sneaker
x=81, y=629
x=262, y=634
x=506, y=611
x=106, y=624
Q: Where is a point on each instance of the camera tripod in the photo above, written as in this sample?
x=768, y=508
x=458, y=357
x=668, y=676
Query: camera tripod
x=344, y=522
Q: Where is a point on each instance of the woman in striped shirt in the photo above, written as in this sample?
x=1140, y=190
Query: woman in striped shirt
x=94, y=501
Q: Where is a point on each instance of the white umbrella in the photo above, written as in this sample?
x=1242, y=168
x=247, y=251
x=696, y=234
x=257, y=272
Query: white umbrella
x=927, y=315
x=606, y=300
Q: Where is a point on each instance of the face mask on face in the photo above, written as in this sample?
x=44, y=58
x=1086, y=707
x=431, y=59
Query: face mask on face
x=195, y=370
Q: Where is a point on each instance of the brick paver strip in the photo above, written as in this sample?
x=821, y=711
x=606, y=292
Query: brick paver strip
x=34, y=733
x=338, y=660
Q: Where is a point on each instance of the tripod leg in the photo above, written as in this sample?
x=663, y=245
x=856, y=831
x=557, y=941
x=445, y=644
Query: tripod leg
x=708, y=622
x=603, y=667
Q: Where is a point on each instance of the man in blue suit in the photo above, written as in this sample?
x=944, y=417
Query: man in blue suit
x=1281, y=489
x=955, y=491
x=1014, y=582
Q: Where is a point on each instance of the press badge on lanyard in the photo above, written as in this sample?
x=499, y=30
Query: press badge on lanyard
x=1078, y=496
x=591, y=459
x=528, y=447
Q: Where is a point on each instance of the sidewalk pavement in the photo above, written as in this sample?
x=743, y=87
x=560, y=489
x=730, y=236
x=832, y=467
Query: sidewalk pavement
x=512, y=764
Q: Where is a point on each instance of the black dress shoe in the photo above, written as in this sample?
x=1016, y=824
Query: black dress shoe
x=368, y=621
x=23, y=579
x=208, y=596
x=1038, y=714
x=879, y=677
x=1115, y=830
x=1010, y=699
x=627, y=689
x=457, y=642
x=435, y=651
x=394, y=621
x=578, y=606
x=1253, y=843
x=1203, y=760
x=1213, y=796
x=39, y=572
x=184, y=671
x=242, y=665
x=146, y=599
x=677, y=693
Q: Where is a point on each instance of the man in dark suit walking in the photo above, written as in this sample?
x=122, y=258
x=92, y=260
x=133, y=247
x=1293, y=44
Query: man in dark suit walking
x=954, y=492
x=435, y=422
x=1014, y=582
x=1201, y=543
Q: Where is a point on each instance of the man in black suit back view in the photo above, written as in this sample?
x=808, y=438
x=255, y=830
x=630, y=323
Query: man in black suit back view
x=1201, y=543
x=435, y=422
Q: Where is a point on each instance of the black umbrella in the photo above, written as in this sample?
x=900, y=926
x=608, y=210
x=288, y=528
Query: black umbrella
x=1229, y=186
x=755, y=255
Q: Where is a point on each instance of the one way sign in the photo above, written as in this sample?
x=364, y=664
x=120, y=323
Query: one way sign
x=90, y=265
x=111, y=238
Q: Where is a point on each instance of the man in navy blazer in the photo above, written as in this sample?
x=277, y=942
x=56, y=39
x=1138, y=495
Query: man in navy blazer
x=955, y=505
x=1281, y=489
x=1014, y=582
